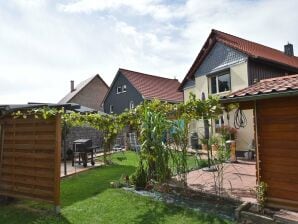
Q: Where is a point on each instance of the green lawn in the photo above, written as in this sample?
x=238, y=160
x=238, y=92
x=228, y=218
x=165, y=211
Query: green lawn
x=87, y=198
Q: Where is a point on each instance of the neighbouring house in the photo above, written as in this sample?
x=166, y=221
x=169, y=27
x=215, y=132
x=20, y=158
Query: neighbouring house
x=89, y=93
x=130, y=88
x=227, y=63
x=275, y=105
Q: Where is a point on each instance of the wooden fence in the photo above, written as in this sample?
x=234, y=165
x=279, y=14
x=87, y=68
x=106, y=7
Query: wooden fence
x=30, y=154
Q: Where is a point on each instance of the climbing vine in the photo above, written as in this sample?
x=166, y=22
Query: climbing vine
x=160, y=126
x=38, y=113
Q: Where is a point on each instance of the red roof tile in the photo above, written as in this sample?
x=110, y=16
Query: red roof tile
x=250, y=48
x=154, y=87
x=256, y=50
x=273, y=85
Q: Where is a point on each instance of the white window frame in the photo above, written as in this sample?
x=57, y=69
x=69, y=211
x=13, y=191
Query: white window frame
x=217, y=85
x=111, y=109
x=119, y=89
x=124, y=88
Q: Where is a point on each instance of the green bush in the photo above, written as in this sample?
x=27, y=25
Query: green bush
x=139, y=178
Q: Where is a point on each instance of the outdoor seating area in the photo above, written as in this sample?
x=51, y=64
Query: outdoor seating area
x=74, y=166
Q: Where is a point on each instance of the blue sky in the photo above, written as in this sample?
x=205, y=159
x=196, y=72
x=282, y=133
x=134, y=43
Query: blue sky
x=46, y=43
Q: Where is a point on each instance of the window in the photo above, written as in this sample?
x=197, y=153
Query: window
x=119, y=89
x=111, y=109
x=124, y=88
x=131, y=105
x=220, y=83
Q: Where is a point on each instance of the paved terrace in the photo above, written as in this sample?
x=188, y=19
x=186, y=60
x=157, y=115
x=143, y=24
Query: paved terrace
x=239, y=180
x=71, y=170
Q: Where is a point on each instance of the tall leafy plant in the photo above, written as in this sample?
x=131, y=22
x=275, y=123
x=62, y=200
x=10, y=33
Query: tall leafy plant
x=155, y=153
x=179, y=156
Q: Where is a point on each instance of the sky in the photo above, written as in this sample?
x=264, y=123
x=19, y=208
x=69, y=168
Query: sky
x=46, y=43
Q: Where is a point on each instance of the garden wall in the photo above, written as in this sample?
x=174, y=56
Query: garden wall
x=83, y=133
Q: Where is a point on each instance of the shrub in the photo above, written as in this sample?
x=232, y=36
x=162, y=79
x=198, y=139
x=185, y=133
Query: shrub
x=139, y=178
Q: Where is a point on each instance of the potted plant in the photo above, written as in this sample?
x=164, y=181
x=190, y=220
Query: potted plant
x=204, y=143
x=214, y=142
x=229, y=133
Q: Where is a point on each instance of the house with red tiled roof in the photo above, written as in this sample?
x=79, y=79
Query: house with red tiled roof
x=227, y=63
x=130, y=88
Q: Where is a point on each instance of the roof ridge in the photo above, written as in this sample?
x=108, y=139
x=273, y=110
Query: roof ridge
x=141, y=73
x=253, y=42
x=79, y=87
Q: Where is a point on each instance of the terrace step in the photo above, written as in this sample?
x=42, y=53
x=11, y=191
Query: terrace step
x=286, y=217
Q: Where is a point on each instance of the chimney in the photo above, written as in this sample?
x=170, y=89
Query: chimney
x=289, y=49
x=72, y=86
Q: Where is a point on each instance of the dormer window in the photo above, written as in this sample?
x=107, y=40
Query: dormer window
x=220, y=83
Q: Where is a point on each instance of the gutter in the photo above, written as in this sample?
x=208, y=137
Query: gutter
x=163, y=100
x=259, y=97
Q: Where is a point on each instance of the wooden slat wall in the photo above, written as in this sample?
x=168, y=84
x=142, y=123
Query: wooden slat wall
x=259, y=70
x=30, y=158
x=278, y=150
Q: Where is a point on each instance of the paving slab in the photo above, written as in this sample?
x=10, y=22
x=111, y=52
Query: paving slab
x=239, y=180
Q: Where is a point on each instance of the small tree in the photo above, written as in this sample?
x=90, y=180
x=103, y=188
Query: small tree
x=156, y=120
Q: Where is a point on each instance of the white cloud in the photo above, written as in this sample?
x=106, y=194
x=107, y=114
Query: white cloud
x=44, y=44
x=268, y=22
x=153, y=8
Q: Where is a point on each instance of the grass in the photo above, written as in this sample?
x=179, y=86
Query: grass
x=88, y=198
